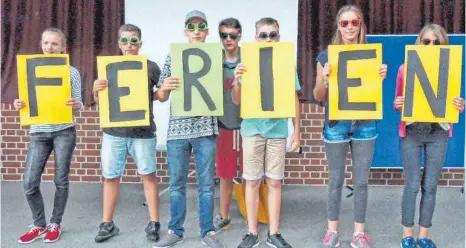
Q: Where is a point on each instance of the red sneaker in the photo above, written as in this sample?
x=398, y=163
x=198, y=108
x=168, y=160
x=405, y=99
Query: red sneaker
x=53, y=233
x=32, y=235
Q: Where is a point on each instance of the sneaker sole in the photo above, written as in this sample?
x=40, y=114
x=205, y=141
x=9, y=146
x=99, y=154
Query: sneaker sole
x=181, y=241
x=328, y=246
x=401, y=246
x=354, y=246
x=103, y=239
x=51, y=241
x=38, y=237
x=209, y=246
x=257, y=244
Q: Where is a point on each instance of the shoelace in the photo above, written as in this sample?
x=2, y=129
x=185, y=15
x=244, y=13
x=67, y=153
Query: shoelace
x=364, y=239
x=53, y=227
x=33, y=228
x=248, y=235
x=328, y=236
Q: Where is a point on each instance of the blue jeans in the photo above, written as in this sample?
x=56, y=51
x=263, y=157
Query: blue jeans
x=345, y=131
x=62, y=143
x=179, y=156
x=114, y=150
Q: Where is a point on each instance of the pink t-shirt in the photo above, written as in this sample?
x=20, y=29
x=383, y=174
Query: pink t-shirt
x=399, y=92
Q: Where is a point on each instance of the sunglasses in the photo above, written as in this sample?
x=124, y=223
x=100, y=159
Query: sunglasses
x=354, y=23
x=201, y=26
x=233, y=36
x=272, y=35
x=429, y=41
x=133, y=40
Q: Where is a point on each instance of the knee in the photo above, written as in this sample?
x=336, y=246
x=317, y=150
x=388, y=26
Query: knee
x=360, y=184
x=335, y=183
x=177, y=184
x=61, y=182
x=412, y=187
x=30, y=187
x=254, y=184
x=429, y=189
x=150, y=178
x=274, y=184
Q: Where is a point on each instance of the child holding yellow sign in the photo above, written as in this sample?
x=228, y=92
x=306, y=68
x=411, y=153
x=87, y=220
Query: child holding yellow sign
x=430, y=137
x=264, y=150
x=59, y=138
x=359, y=135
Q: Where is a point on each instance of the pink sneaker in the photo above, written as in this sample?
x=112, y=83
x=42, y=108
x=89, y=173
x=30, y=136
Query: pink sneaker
x=331, y=240
x=361, y=240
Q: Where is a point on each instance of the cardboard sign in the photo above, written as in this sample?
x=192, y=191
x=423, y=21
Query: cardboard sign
x=355, y=85
x=432, y=80
x=125, y=102
x=44, y=85
x=268, y=87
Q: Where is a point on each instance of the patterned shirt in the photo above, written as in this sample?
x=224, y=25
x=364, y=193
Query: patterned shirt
x=75, y=79
x=187, y=127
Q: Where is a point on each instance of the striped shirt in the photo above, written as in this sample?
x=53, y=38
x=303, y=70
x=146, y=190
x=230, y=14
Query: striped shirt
x=75, y=79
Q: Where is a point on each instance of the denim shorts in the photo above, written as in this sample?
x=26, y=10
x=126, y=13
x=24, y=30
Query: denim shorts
x=115, y=150
x=344, y=131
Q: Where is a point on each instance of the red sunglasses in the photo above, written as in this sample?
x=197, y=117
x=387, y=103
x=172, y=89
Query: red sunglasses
x=354, y=23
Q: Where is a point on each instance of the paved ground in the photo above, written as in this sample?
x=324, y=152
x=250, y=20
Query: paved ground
x=303, y=217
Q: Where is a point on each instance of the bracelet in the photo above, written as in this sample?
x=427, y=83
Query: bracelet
x=326, y=84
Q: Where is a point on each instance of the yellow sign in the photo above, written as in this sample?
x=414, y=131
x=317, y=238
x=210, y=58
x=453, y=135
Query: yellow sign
x=44, y=85
x=125, y=102
x=355, y=84
x=432, y=79
x=268, y=87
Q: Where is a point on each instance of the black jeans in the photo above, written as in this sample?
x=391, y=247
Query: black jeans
x=433, y=141
x=62, y=143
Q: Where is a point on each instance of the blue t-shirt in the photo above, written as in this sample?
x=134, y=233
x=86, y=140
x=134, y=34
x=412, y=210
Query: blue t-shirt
x=323, y=57
x=269, y=128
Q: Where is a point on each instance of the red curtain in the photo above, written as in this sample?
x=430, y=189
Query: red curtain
x=316, y=23
x=91, y=28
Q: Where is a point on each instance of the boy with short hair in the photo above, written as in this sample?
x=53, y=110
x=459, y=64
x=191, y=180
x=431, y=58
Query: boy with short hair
x=264, y=146
x=229, y=139
x=140, y=142
x=188, y=135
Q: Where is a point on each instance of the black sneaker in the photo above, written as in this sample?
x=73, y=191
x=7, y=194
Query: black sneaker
x=249, y=241
x=106, y=231
x=152, y=231
x=276, y=241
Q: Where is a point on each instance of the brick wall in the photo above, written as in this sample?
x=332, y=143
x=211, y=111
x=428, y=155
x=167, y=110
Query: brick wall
x=306, y=168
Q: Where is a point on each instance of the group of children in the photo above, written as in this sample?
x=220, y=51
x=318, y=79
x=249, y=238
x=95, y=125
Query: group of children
x=218, y=143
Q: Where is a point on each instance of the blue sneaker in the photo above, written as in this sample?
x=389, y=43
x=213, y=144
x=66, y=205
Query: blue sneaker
x=426, y=243
x=408, y=242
